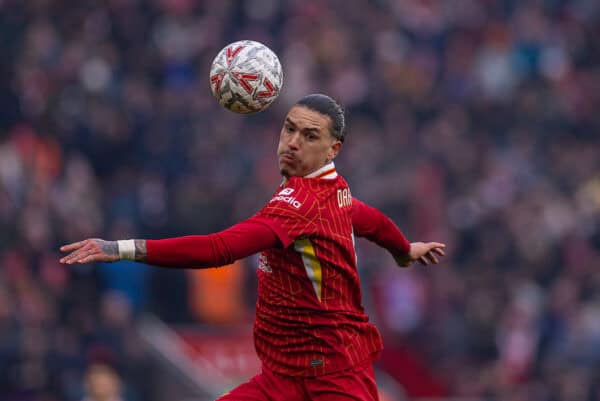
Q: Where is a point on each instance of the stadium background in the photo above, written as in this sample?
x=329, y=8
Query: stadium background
x=476, y=123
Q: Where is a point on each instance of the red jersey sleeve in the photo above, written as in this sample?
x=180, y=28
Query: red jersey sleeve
x=199, y=251
x=292, y=213
x=375, y=226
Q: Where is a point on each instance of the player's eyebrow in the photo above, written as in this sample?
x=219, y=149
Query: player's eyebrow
x=309, y=129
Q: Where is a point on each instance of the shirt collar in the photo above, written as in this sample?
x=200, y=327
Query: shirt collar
x=327, y=172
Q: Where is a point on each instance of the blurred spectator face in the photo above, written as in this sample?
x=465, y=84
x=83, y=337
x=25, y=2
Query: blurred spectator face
x=116, y=310
x=305, y=143
x=102, y=384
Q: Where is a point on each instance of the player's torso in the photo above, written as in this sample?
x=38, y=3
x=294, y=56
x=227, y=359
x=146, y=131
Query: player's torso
x=319, y=270
x=309, y=296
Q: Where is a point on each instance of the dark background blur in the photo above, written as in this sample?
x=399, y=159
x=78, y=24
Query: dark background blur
x=476, y=123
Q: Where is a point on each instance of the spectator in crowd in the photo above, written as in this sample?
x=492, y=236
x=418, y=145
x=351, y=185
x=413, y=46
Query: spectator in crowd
x=102, y=383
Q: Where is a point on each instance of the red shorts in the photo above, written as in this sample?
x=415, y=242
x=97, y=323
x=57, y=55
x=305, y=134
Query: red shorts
x=357, y=384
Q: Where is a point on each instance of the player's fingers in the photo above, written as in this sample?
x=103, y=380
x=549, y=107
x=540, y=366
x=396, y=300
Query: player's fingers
x=423, y=261
x=432, y=257
x=76, y=256
x=69, y=257
x=437, y=244
x=439, y=251
x=73, y=246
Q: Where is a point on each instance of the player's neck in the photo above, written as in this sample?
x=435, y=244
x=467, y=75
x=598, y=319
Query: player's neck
x=327, y=171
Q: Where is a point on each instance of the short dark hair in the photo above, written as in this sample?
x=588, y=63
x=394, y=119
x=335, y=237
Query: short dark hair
x=328, y=107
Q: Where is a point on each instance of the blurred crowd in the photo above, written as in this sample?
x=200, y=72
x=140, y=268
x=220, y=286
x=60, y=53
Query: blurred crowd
x=475, y=123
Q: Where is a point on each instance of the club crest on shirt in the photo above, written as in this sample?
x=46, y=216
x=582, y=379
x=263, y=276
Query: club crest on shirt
x=263, y=264
x=286, y=191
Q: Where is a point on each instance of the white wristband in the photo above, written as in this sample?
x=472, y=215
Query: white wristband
x=126, y=249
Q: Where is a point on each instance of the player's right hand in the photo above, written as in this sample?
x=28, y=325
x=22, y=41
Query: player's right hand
x=90, y=250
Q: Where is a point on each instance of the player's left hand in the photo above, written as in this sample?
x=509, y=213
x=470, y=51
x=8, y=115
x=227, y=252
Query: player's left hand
x=424, y=252
x=90, y=250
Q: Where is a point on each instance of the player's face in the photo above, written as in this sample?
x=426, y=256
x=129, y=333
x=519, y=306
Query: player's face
x=305, y=143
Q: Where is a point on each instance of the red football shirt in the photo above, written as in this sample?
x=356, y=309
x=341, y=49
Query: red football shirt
x=309, y=316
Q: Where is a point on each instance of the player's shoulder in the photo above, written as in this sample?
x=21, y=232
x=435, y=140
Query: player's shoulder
x=293, y=195
x=317, y=184
x=319, y=188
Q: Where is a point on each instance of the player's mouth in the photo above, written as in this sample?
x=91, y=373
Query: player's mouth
x=287, y=158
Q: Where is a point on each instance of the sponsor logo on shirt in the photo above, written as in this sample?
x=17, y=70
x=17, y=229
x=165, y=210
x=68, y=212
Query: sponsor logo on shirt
x=283, y=196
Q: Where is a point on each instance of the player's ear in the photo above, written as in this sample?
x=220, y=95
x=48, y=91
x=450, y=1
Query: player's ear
x=334, y=149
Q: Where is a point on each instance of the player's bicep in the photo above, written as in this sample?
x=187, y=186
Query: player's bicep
x=375, y=226
x=217, y=249
x=365, y=219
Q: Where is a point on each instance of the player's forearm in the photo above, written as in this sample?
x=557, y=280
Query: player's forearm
x=193, y=251
x=197, y=251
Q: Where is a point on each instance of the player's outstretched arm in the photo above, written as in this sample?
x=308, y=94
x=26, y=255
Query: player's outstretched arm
x=193, y=251
x=372, y=224
x=98, y=250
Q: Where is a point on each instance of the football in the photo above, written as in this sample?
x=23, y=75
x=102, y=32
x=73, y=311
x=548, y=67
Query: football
x=246, y=77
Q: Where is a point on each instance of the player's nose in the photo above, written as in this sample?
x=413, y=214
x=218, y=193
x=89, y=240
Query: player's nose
x=294, y=141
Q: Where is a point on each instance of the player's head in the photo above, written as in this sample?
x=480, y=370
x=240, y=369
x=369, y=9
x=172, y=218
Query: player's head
x=311, y=136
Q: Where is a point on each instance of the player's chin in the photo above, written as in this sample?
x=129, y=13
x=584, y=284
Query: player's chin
x=286, y=169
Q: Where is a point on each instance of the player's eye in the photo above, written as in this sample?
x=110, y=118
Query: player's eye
x=289, y=129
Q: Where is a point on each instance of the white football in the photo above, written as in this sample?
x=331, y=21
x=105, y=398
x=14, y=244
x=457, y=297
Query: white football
x=246, y=77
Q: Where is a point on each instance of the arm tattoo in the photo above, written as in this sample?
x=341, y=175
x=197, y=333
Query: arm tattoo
x=109, y=247
x=140, y=250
